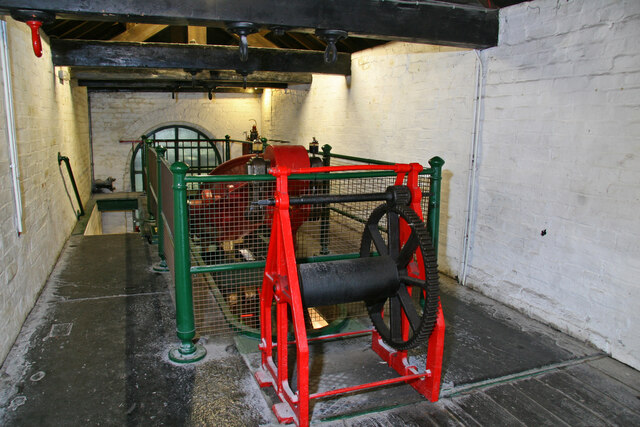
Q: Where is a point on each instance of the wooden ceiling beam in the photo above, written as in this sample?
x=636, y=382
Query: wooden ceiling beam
x=123, y=74
x=197, y=35
x=81, y=53
x=139, y=32
x=434, y=22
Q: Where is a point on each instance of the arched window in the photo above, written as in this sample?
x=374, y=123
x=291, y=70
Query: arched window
x=183, y=144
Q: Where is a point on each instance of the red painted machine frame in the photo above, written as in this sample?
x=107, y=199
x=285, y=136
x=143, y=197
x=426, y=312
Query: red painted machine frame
x=281, y=284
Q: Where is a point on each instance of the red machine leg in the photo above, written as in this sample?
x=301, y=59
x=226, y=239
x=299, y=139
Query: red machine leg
x=281, y=284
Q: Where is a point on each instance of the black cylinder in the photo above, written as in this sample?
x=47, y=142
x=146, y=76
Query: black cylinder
x=338, y=282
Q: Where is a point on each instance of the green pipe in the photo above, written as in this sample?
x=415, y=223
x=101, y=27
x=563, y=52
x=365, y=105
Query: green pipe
x=162, y=266
x=296, y=177
x=65, y=159
x=261, y=264
x=324, y=209
x=145, y=174
x=433, y=213
x=185, y=322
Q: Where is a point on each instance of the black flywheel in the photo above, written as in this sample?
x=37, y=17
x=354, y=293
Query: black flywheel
x=416, y=298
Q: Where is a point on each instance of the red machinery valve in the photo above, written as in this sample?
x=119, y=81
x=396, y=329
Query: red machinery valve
x=34, y=19
x=35, y=37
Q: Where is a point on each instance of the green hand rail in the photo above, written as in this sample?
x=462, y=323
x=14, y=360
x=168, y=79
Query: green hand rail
x=162, y=266
x=65, y=159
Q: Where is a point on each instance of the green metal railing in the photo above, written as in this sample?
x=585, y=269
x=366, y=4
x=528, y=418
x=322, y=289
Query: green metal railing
x=178, y=236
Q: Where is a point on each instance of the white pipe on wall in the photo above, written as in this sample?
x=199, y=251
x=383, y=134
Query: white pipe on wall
x=473, y=171
x=11, y=129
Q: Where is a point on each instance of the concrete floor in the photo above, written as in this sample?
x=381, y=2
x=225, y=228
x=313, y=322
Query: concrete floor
x=94, y=351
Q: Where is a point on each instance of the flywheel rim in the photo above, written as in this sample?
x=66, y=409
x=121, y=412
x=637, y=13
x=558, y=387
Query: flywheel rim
x=417, y=248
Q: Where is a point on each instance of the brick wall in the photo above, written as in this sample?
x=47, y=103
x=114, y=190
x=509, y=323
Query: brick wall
x=403, y=102
x=559, y=152
x=126, y=116
x=50, y=117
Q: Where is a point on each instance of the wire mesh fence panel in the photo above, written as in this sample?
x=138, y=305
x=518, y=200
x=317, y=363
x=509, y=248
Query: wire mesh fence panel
x=230, y=233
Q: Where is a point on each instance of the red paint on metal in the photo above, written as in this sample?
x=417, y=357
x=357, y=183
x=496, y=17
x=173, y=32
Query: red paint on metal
x=404, y=378
x=221, y=210
x=281, y=284
x=35, y=37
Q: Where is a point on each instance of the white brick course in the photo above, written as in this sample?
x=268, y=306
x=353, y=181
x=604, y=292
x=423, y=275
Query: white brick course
x=126, y=116
x=559, y=152
x=50, y=117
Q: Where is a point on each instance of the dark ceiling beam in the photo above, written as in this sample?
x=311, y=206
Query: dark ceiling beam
x=81, y=53
x=435, y=22
x=175, y=86
x=121, y=74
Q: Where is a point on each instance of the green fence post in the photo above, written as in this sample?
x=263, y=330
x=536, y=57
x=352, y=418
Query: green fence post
x=185, y=322
x=433, y=214
x=145, y=175
x=324, y=210
x=227, y=148
x=162, y=265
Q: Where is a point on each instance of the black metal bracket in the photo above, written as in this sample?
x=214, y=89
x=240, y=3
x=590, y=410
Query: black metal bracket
x=331, y=37
x=243, y=29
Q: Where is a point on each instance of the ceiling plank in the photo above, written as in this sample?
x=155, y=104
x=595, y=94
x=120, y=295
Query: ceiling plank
x=197, y=35
x=435, y=22
x=139, y=32
x=259, y=40
x=81, y=53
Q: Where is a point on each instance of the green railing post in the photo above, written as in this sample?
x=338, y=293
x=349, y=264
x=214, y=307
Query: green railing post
x=227, y=147
x=324, y=210
x=185, y=322
x=162, y=265
x=145, y=175
x=433, y=214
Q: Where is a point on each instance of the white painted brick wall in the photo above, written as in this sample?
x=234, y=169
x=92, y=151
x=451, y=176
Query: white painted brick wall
x=50, y=117
x=403, y=102
x=559, y=151
x=126, y=116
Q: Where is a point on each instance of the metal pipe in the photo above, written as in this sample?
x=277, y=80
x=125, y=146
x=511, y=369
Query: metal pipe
x=159, y=219
x=185, y=321
x=360, y=159
x=433, y=212
x=473, y=171
x=11, y=127
x=330, y=198
x=65, y=159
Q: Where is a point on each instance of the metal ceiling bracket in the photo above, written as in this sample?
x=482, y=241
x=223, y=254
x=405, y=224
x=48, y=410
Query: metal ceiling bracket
x=34, y=19
x=243, y=29
x=331, y=37
x=244, y=74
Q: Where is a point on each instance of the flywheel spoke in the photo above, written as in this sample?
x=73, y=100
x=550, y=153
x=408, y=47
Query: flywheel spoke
x=395, y=318
x=409, y=248
x=409, y=308
x=393, y=229
x=412, y=281
x=378, y=241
